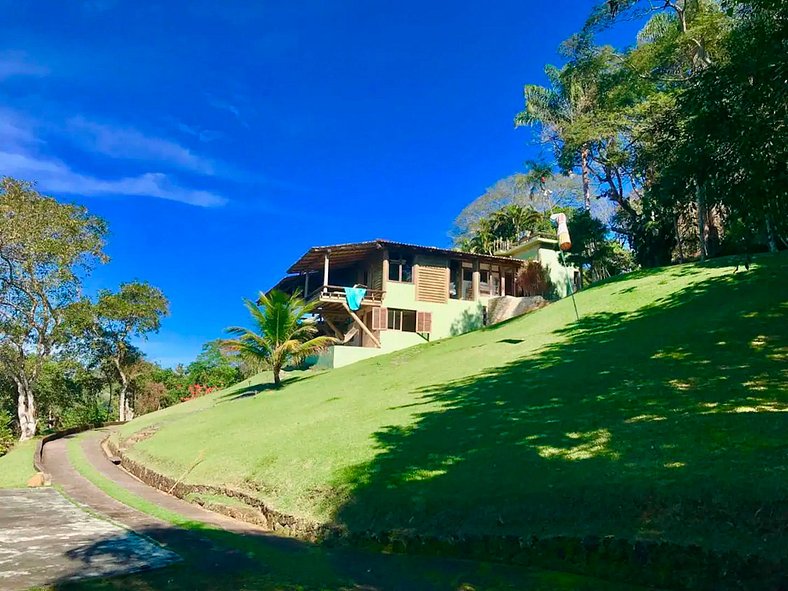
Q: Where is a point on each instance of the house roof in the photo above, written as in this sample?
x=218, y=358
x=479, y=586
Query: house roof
x=346, y=254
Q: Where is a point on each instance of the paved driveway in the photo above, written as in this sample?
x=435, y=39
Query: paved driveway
x=44, y=538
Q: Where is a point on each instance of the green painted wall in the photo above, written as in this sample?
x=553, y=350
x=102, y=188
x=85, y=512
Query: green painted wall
x=560, y=276
x=340, y=355
x=449, y=319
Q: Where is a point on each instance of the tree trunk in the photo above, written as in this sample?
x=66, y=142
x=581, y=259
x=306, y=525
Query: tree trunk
x=586, y=180
x=122, y=402
x=277, y=378
x=770, y=234
x=678, y=238
x=26, y=411
x=701, y=221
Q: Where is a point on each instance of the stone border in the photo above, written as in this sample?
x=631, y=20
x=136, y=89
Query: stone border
x=266, y=517
x=643, y=562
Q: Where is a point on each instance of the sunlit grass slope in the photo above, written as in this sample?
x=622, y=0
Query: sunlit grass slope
x=16, y=467
x=660, y=414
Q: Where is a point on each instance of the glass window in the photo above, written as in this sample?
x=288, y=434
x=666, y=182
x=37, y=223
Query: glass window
x=409, y=320
x=404, y=320
x=401, y=268
x=394, y=270
x=395, y=319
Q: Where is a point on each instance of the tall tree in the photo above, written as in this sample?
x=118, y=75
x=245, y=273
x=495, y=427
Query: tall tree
x=282, y=332
x=562, y=106
x=741, y=162
x=680, y=40
x=46, y=248
x=539, y=189
x=110, y=324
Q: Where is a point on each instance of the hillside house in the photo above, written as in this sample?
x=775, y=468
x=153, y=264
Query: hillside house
x=544, y=249
x=380, y=296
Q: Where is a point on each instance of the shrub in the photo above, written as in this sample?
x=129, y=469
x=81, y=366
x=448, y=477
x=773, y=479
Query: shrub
x=534, y=280
x=151, y=397
x=197, y=390
x=88, y=413
x=7, y=437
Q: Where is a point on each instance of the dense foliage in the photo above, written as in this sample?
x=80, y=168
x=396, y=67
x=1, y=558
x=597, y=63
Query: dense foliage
x=683, y=135
x=68, y=360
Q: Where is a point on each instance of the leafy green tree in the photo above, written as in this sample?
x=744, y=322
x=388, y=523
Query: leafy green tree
x=213, y=367
x=741, y=164
x=46, y=248
x=565, y=107
x=679, y=41
x=501, y=228
x=598, y=256
x=539, y=188
x=70, y=395
x=282, y=332
x=6, y=433
x=109, y=325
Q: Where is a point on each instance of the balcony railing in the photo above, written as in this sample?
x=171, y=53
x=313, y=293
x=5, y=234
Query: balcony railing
x=336, y=293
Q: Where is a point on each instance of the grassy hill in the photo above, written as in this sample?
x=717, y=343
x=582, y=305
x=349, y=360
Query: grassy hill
x=660, y=414
x=16, y=467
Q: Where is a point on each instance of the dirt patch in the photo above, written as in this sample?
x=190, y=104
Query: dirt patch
x=142, y=435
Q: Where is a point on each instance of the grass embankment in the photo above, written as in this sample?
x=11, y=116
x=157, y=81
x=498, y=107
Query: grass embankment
x=80, y=462
x=266, y=563
x=16, y=467
x=659, y=415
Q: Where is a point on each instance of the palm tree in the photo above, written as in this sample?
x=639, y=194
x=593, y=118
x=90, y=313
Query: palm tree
x=282, y=333
x=557, y=108
x=512, y=221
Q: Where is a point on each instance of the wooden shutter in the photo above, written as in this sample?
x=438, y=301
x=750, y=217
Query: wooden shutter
x=380, y=318
x=424, y=322
x=432, y=284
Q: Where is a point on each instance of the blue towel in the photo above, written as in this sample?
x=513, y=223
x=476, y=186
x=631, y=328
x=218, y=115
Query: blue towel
x=354, y=296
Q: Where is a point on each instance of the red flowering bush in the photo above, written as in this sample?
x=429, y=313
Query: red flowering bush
x=197, y=390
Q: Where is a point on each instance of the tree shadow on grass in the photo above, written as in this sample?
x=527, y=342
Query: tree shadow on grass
x=227, y=561
x=666, y=424
x=240, y=391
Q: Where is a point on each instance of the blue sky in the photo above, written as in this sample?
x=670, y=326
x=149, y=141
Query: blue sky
x=222, y=139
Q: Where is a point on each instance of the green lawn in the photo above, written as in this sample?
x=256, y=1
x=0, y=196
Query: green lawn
x=661, y=414
x=16, y=467
x=224, y=561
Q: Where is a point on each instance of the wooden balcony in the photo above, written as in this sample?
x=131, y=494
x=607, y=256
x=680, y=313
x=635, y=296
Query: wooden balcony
x=336, y=294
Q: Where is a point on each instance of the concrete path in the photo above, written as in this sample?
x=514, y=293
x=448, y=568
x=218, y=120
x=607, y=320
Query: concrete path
x=45, y=538
x=57, y=464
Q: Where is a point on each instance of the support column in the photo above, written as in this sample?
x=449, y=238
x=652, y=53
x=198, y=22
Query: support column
x=385, y=278
x=325, y=269
x=503, y=283
x=476, y=281
x=361, y=325
x=306, y=284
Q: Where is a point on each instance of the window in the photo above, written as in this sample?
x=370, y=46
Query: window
x=489, y=279
x=467, y=284
x=509, y=283
x=404, y=320
x=401, y=268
